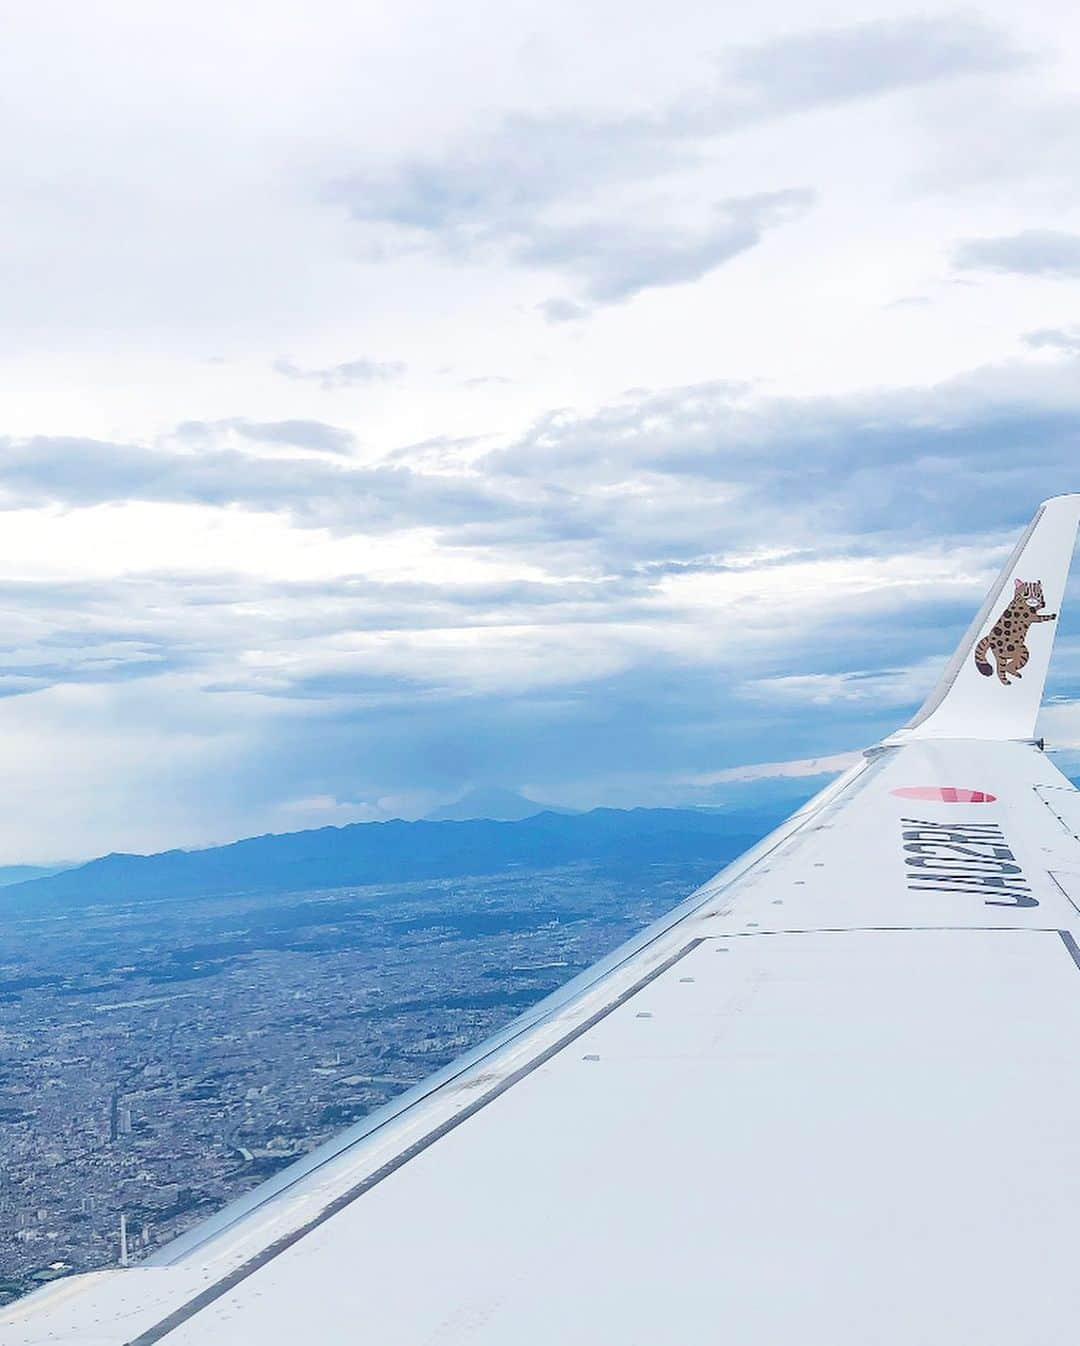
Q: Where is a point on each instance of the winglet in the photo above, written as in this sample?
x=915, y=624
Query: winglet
x=992, y=687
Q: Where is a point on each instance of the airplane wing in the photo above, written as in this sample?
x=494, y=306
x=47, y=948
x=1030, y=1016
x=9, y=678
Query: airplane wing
x=834, y=1097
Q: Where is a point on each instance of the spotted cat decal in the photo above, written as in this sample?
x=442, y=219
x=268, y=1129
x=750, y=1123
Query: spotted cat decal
x=1009, y=632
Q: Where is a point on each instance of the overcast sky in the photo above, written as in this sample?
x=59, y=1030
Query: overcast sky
x=594, y=400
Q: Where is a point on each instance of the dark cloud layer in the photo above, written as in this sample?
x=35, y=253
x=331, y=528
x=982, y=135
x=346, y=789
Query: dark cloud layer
x=811, y=473
x=615, y=663
x=611, y=506
x=658, y=477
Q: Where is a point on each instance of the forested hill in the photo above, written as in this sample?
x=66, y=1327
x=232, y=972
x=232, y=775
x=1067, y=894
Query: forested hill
x=396, y=852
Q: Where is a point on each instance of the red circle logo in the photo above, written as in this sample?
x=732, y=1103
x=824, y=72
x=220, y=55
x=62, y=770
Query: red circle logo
x=944, y=794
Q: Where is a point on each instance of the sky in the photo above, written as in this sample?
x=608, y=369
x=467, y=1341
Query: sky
x=619, y=403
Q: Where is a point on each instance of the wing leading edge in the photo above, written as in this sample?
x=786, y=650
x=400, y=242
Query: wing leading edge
x=830, y=1098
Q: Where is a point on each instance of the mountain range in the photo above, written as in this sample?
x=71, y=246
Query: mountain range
x=398, y=851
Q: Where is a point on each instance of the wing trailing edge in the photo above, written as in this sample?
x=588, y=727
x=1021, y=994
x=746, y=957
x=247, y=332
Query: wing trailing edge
x=992, y=687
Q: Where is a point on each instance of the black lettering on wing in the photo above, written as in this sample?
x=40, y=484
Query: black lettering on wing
x=996, y=852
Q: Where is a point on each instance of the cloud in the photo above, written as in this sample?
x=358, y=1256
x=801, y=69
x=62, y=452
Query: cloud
x=806, y=766
x=487, y=187
x=837, y=65
x=613, y=265
x=257, y=618
x=563, y=310
x=349, y=374
x=650, y=529
x=707, y=568
x=296, y=434
x=660, y=476
x=83, y=472
x=1033, y=252
x=624, y=204
x=640, y=490
x=670, y=585
x=487, y=184
x=1064, y=340
x=886, y=687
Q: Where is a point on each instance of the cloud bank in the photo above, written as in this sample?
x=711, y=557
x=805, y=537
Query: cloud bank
x=664, y=586
x=415, y=405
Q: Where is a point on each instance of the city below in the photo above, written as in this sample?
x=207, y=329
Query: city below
x=159, y=1056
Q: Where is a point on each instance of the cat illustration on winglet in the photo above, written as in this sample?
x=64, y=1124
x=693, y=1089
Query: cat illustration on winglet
x=1007, y=636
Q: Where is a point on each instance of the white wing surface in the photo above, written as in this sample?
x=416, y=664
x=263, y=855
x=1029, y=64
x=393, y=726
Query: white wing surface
x=833, y=1098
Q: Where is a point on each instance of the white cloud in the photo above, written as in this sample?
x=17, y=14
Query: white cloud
x=345, y=374
x=1032, y=252
x=796, y=770
x=885, y=688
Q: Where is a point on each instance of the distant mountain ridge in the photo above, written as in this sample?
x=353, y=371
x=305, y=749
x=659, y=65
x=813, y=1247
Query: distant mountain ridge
x=398, y=851
x=10, y=874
